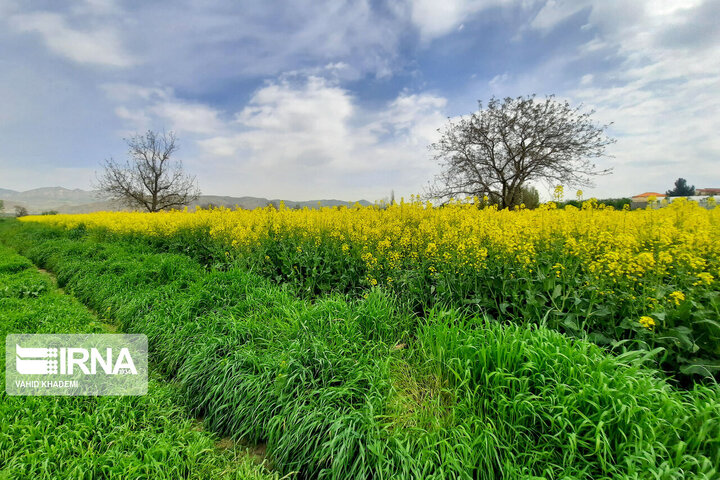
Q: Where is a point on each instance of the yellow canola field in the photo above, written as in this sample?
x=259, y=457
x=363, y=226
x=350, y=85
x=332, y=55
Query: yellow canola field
x=616, y=245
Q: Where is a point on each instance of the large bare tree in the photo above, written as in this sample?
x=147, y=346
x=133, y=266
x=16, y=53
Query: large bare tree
x=497, y=150
x=150, y=179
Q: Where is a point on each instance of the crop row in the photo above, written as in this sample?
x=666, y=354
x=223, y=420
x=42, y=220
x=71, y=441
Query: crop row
x=361, y=388
x=86, y=437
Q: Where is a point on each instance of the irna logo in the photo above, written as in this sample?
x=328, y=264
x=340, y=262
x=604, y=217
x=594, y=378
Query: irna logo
x=76, y=364
x=47, y=361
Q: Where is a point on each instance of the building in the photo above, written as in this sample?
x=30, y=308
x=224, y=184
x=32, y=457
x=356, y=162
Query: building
x=707, y=191
x=643, y=197
x=641, y=200
x=661, y=200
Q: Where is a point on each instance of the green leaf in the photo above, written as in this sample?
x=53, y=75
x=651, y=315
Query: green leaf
x=556, y=292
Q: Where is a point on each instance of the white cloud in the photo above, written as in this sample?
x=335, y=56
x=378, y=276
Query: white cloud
x=265, y=39
x=315, y=124
x=412, y=119
x=670, y=7
x=292, y=126
x=188, y=116
x=437, y=18
x=659, y=88
x=302, y=135
x=100, y=46
x=586, y=79
x=555, y=11
x=174, y=41
x=651, y=66
x=155, y=107
x=497, y=82
x=97, y=7
x=137, y=118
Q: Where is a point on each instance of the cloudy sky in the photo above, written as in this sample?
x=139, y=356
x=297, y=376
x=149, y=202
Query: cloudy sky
x=311, y=99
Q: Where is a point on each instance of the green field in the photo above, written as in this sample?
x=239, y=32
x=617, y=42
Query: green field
x=152, y=436
x=335, y=386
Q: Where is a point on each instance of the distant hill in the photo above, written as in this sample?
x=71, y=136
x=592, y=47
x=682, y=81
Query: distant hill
x=250, y=203
x=49, y=198
x=64, y=200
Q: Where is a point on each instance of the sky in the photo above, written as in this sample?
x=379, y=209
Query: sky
x=317, y=99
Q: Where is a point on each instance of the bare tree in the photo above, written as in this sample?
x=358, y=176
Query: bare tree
x=149, y=179
x=497, y=150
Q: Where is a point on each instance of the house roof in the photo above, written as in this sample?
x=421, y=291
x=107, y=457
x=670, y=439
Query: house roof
x=649, y=194
x=708, y=190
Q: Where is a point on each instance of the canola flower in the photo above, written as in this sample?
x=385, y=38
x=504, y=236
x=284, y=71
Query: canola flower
x=704, y=278
x=647, y=322
x=677, y=297
x=460, y=239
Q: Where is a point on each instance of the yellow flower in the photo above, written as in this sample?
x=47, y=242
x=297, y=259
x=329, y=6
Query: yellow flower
x=677, y=297
x=613, y=249
x=647, y=322
x=704, y=278
x=431, y=249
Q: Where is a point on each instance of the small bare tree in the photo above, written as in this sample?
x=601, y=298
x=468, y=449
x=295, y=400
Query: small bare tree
x=149, y=179
x=497, y=150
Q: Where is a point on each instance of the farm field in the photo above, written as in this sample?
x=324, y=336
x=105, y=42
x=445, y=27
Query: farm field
x=150, y=436
x=626, y=280
x=418, y=342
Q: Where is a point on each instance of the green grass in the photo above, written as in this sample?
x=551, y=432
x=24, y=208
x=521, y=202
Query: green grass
x=341, y=388
x=150, y=436
x=529, y=401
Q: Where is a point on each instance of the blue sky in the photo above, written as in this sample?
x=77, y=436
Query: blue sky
x=310, y=99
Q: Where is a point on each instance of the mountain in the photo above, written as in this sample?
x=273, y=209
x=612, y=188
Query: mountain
x=64, y=200
x=56, y=194
x=49, y=198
